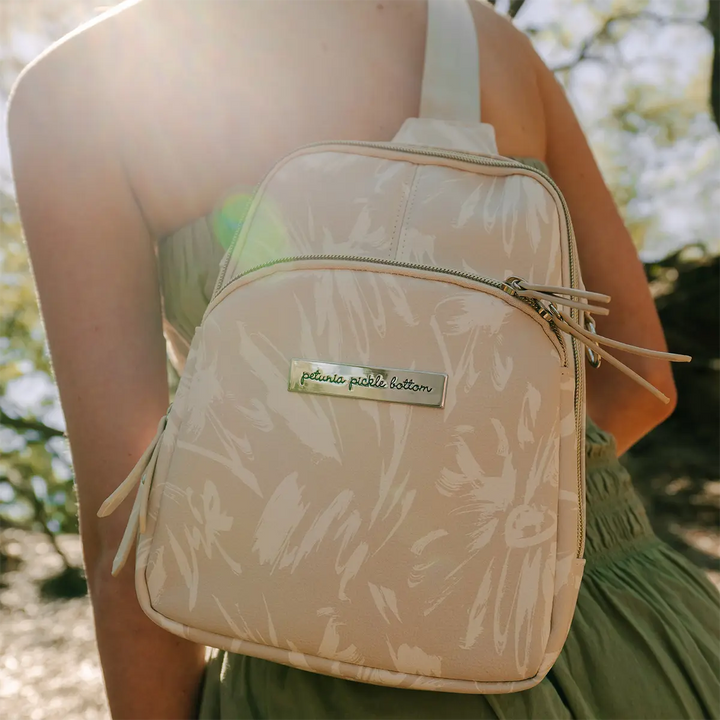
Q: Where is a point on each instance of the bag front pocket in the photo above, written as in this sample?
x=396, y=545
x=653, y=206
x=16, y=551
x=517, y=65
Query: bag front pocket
x=404, y=537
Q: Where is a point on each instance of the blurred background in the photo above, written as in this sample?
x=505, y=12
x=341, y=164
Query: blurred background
x=643, y=77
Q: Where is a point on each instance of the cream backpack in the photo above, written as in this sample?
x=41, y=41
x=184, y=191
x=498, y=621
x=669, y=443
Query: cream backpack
x=374, y=464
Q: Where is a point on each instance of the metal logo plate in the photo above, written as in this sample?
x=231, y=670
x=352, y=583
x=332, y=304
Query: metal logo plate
x=368, y=383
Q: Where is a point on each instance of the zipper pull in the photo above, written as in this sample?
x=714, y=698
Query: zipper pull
x=554, y=294
x=142, y=473
x=593, y=358
x=548, y=297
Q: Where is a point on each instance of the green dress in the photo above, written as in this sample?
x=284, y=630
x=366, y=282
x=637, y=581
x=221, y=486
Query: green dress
x=644, y=642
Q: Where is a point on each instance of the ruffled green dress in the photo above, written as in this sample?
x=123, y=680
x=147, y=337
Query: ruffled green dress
x=644, y=642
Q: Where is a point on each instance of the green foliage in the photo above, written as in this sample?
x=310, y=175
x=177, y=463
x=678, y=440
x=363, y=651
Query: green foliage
x=638, y=73
x=36, y=488
x=69, y=583
x=675, y=467
x=20, y=326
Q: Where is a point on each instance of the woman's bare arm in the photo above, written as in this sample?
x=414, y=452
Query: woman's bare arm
x=94, y=266
x=609, y=264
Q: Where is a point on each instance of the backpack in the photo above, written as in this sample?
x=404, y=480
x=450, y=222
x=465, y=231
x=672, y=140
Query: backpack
x=373, y=467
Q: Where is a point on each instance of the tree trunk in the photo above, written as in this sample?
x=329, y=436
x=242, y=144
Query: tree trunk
x=712, y=22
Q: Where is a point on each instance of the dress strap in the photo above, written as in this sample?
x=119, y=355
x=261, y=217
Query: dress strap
x=451, y=76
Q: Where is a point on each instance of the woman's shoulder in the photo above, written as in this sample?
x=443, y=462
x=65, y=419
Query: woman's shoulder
x=74, y=81
x=78, y=101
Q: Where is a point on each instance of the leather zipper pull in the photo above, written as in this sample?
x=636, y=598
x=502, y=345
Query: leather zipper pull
x=141, y=473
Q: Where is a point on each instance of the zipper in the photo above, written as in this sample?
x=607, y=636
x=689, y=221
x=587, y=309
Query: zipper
x=473, y=277
x=416, y=150
x=485, y=161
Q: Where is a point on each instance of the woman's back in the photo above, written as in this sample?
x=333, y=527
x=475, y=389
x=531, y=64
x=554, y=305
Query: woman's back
x=213, y=93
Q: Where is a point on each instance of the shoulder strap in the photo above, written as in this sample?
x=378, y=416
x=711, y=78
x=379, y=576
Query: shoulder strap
x=451, y=77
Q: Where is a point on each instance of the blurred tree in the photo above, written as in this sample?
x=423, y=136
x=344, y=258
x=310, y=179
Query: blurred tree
x=652, y=134
x=35, y=478
x=676, y=467
x=712, y=22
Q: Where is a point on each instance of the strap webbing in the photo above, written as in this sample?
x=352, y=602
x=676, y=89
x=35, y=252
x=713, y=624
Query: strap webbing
x=451, y=77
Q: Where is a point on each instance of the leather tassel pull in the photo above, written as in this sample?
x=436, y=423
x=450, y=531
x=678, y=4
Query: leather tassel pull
x=128, y=540
x=144, y=489
x=592, y=342
x=548, y=297
x=142, y=473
